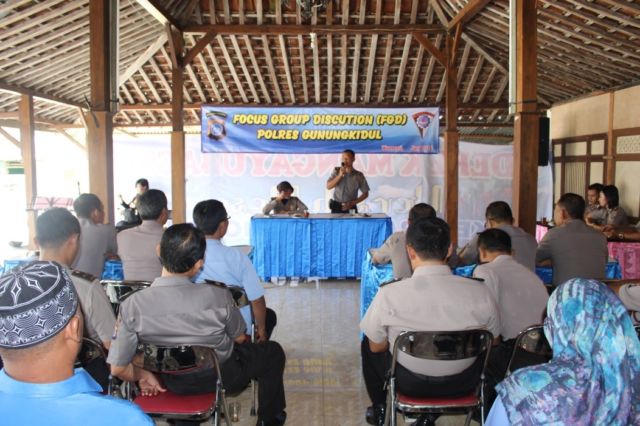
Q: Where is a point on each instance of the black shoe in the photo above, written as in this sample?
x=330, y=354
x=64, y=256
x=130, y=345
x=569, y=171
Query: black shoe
x=375, y=414
x=276, y=421
x=425, y=420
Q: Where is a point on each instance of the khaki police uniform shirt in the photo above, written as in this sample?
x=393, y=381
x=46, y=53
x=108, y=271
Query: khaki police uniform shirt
x=616, y=217
x=576, y=251
x=433, y=299
x=524, y=247
x=519, y=293
x=394, y=250
x=96, y=240
x=137, y=248
x=294, y=205
x=173, y=311
x=99, y=320
x=596, y=213
x=347, y=188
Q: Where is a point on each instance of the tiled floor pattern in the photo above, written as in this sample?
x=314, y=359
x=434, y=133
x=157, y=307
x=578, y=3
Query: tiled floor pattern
x=318, y=328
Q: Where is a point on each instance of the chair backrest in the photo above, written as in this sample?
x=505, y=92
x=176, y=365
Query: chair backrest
x=530, y=348
x=238, y=293
x=443, y=345
x=89, y=351
x=118, y=291
x=178, y=359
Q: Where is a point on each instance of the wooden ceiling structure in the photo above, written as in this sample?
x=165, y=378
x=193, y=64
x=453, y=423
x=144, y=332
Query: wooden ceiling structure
x=448, y=53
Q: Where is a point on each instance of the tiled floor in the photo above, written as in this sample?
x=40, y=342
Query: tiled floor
x=318, y=328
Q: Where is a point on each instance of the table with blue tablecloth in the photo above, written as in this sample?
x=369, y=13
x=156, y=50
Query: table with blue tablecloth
x=322, y=245
x=374, y=275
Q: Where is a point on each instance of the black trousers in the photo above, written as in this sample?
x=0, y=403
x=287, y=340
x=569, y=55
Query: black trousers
x=376, y=365
x=264, y=362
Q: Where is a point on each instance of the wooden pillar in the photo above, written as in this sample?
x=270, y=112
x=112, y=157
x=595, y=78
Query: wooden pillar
x=610, y=155
x=526, y=120
x=100, y=118
x=178, y=174
x=451, y=145
x=28, y=148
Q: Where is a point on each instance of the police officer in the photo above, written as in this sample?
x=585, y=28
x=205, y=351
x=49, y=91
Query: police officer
x=346, y=181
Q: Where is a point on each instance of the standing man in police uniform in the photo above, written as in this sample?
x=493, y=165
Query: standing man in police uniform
x=433, y=299
x=57, y=236
x=173, y=311
x=346, y=181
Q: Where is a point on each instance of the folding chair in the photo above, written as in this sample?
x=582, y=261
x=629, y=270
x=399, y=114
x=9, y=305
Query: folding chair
x=530, y=348
x=170, y=406
x=117, y=291
x=90, y=351
x=441, y=346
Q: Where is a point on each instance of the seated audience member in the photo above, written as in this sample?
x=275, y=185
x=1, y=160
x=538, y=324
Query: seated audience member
x=57, y=236
x=97, y=240
x=284, y=202
x=137, y=247
x=498, y=215
x=433, y=299
x=574, y=249
x=613, y=213
x=594, y=375
x=174, y=311
x=230, y=266
x=40, y=337
x=519, y=293
x=394, y=249
x=594, y=212
x=623, y=233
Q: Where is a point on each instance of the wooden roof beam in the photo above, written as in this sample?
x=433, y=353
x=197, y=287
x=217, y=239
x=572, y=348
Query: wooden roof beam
x=37, y=94
x=431, y=48
x=372, y=54
x=294, y=29
x=468, y=12
x=158, y=12
x=10, y=138
x=143, y=58
x=195, y=105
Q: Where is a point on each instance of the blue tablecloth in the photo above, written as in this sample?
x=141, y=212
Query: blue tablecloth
x=374, y=275
x=319, y=246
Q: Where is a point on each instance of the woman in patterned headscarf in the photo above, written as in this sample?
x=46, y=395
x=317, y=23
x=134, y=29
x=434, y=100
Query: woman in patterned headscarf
x=594, y=376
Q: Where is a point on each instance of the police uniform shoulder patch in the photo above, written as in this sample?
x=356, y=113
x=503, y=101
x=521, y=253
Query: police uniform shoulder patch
x=83, y=275
x=390, y=282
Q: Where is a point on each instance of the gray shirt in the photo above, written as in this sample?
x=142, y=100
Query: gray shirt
x=294, y=205
x=433, y=299
x=137, y=248
x=519, y=293
x=96, y=240
x=616, y=217
x=576, y=251
x=524, y=247
x=347, y=188
x=394, y=250
x=174, y=311
x=99, y=320
x=595, y=213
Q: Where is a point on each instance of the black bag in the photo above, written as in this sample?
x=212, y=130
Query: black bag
x=335, y=206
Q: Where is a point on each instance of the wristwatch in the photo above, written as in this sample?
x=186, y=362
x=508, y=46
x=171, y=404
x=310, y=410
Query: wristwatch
x=621, y=236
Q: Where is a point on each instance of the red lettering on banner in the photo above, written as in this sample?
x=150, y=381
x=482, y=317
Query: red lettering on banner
x=327, y=162
x=502, y=166
x=234, y=165
x=304, y=165
x=197, y=164
x=379, y=165
x=479, y=165
x=463, y=165
x=411, y=167
x=280, y=166
x=259, y=164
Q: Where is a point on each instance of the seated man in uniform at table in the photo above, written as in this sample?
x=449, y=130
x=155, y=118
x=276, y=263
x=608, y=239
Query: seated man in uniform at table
x=519, y=293
x=230, y=266
x=346, y=181
x=57, y=236
x=498, y=215
x=394, y=249
x=574, y=249
x=137, y=246
x=433, y=299
x=593, y=211
x=284, y=202
x=97, y=240
x=41, y=328
x=174, y=311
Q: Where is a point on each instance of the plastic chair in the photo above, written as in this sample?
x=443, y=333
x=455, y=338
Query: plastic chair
x=530, y=348
x=117, y=291
x=170, y=406
x=442, y=346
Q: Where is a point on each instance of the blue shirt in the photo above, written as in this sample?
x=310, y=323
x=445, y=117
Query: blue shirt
x=230, y=266
x=74, y=401
x=498, y=414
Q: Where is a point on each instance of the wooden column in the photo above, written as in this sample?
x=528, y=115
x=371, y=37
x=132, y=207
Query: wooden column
x=28, y=147
x=610, y=155
x=100, y=118
x=178, y=174
x=451, y=145
x=525, y=131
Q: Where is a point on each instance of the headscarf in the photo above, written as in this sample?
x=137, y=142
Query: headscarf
x=594, y=375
